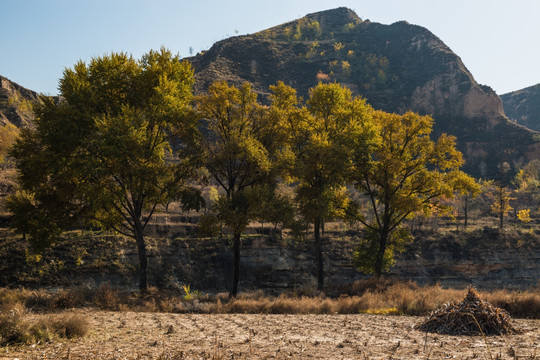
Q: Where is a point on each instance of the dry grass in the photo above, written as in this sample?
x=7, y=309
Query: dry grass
x=16, y=327
x=524, y=304
x=388, y=298
x=400, y=298
x=406, y=298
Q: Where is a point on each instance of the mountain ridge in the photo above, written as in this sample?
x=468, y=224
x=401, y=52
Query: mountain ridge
x=523, y=106
x=396, y=67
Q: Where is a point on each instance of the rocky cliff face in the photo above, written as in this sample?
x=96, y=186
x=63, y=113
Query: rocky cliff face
x=396, y=67
x=207, y=264
x=523, y=106
x=15, y=103
x=485, y=257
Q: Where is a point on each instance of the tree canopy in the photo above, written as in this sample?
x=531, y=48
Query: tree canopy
x=238, y=152
x=102, y=154
x=124, y=138
x=404, y=174
x=323, y=134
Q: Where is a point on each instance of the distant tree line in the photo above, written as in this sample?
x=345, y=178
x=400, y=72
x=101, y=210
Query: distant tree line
x=128, y=137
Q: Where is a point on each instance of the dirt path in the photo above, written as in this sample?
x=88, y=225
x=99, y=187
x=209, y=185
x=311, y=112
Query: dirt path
x=130, y=335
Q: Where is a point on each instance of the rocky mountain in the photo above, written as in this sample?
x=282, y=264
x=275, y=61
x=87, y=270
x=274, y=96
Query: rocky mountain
x=523, y=106
x=396, y=67
x=15, y=103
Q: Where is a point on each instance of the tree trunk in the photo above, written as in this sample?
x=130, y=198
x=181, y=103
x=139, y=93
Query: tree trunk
x=502, y=207
x=465, y=212
x=318, y=254
x=236, y=265
x=143, y=259
x=501, y=213
x=380, y=254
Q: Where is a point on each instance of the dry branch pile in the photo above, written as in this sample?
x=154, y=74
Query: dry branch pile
x=471, y=316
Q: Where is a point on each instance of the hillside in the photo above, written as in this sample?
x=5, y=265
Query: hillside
x=15, y=103
x=523, y=106
x=396, y=67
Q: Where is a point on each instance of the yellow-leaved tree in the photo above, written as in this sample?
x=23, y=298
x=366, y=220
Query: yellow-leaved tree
x=404, y=174
x=238, y=151
x=322, y=135
x=501, y=197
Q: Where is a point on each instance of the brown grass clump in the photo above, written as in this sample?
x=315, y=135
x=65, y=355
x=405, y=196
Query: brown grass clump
x=105, y=297
x=369, y=296
x=360, y=287
x=411, y=299
x=69, y=325
x=284, y=304
x=69, y=298
x=11, y=330
x=17, y=328
x=518, y=303
x=471, y=316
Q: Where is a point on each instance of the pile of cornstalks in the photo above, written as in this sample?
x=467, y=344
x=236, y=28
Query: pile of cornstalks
x=471, y=316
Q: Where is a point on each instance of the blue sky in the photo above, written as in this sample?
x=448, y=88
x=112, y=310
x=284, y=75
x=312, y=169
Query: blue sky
x=496, y=39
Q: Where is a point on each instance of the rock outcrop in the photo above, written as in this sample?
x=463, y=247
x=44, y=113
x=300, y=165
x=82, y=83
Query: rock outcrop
x=523, y=106
x=15, y=103
x=397, y=67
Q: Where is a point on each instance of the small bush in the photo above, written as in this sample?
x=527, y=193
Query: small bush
x=70, y=325
x=38, y=333
x=40, y=299
x=383, y=311
x=106, y=297
x=16, y=329
x=69, y=299
x=8, y=298
x=11, y=329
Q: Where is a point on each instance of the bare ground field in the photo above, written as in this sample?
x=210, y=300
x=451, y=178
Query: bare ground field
x=143, y=335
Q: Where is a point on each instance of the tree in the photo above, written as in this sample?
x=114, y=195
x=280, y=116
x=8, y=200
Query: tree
x=322, y=136
x=526, y=184
x=501, y=202
x=404, y=174
x=102, y=154
x=238, y=154
x=467, y=188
